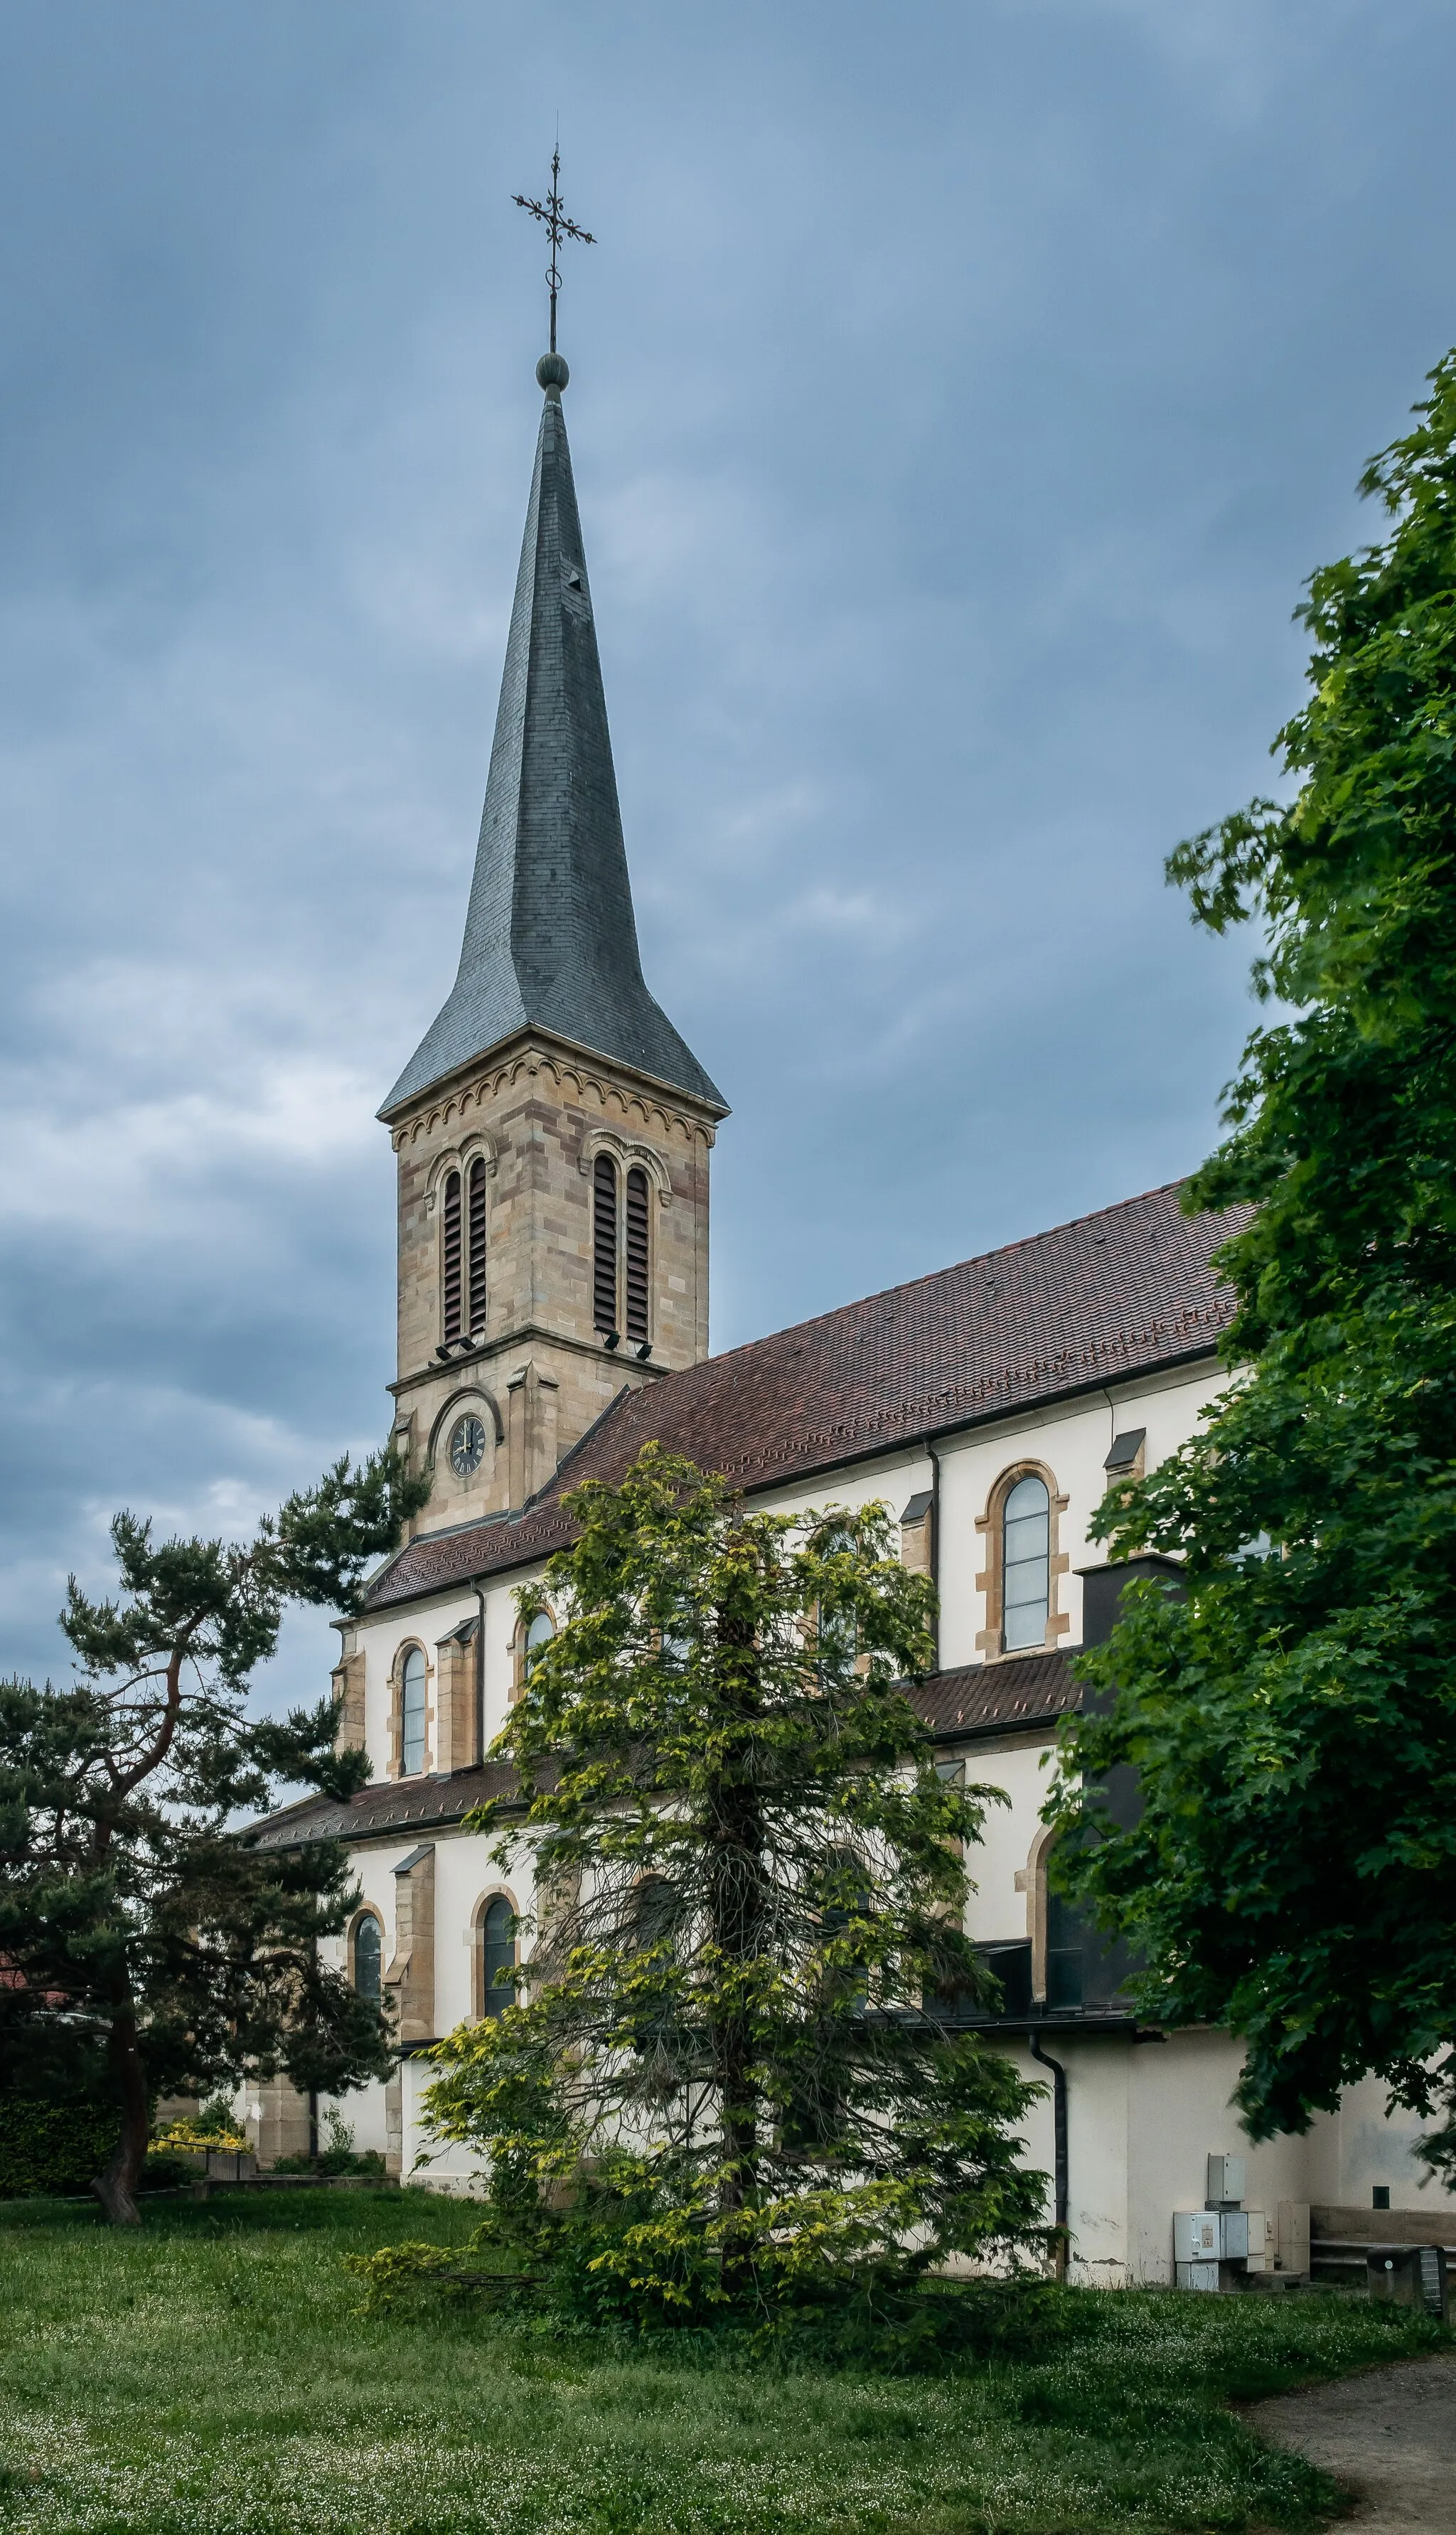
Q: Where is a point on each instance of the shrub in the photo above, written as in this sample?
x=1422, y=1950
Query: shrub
x=53, y=2149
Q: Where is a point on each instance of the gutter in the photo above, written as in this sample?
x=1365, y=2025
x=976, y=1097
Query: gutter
x=886, y=1448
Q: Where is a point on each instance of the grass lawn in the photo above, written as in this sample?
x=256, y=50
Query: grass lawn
x=212, y=2375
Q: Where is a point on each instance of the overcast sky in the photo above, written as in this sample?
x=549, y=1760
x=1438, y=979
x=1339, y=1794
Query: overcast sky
x=960, y=394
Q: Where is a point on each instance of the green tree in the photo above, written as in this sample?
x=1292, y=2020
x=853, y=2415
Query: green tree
x=732, y=2067
x=1292, y=1710
x=151, y=1944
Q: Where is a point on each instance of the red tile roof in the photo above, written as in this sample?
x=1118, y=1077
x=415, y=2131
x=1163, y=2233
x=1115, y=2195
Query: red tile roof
x=1103, y=1299
x=993, y=1697
x=978, y=1698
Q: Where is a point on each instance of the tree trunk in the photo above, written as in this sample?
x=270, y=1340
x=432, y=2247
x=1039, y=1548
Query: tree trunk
x=116, y=2187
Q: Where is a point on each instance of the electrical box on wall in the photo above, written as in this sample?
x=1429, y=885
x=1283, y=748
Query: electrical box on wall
x=1195, y=2235
x=1225, y=2180
x=1199, y=2275
x=1222, y=2246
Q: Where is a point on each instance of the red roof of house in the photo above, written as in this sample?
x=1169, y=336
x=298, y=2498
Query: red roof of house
x=1103, y=1299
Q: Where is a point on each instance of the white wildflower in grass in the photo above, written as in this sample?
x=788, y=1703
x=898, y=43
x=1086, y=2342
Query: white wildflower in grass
x=211, y=2375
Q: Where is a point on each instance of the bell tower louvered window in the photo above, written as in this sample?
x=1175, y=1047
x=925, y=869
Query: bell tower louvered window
x=477, y=1248
x=604, y=1243
x=450, y=1260
x=638, y=1260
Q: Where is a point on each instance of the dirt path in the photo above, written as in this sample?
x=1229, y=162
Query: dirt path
x=1390, y=2436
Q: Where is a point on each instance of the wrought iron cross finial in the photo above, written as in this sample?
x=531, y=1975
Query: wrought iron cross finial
x=558, y=227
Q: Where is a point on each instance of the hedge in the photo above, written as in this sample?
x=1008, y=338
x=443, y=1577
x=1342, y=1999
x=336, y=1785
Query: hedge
x=53, y=2149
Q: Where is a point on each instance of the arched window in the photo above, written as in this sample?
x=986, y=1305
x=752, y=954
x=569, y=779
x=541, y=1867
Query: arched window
x=1026, y=1568
x=449, y=1259
x=637, y=1257
x=654, y=1911
x=497, y=1955
x=368, y=1962
x=412, y=1712
x=477, y=1247
x=836, y=1631
x=1065, y=1941
x=604, y=1243
x=539, y=1633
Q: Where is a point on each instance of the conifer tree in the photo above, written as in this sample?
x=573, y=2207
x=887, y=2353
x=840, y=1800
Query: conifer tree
x=1293, y=1710
x=151, y=1946
x=736, y=2062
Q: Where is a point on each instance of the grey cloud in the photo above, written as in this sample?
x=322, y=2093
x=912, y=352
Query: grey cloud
x=959, y=399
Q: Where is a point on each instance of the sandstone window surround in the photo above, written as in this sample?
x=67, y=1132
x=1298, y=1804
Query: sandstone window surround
x=534, y=1629
x=992, y=1639
x=366, y=1949
x=493, y=1938
x=411, y=1714
x=1053, y=1928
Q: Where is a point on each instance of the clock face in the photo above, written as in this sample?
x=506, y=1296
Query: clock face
x=467, y=1447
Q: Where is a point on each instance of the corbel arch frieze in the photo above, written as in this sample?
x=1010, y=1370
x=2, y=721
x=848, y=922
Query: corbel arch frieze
x=628, y=1154
x=573, y=1082
x=471, y=1395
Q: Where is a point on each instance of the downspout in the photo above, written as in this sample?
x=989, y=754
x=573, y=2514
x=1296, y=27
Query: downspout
x=478, y=1583
x=935, y=1462
x=1059, y=2151
x=312, y=2092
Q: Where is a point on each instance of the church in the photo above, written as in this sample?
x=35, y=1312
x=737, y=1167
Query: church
x=554, y=1138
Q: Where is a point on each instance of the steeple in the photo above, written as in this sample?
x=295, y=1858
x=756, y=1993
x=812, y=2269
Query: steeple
x=550, y=937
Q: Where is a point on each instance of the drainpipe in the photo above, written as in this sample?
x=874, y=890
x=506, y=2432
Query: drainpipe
x=1059, y=2136
x=478, y=1586
x=935, y=1462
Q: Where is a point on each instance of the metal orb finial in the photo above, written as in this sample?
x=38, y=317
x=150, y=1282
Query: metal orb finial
x=552, y=373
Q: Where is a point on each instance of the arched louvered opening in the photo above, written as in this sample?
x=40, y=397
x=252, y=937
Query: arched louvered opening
x=451, y=1258
x=497, y=1955
x=604, y=1243
x=1026, y=1572
x=477, y=1248
x=412, y=1712
x=637, y=1232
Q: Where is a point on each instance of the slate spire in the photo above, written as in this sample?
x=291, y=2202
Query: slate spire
x=550, y=936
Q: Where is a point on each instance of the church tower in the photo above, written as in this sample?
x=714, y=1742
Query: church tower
x=552, y=1130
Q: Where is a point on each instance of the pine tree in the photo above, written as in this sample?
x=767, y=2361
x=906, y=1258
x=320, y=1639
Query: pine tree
x=737, y=2061
x=151, y=1944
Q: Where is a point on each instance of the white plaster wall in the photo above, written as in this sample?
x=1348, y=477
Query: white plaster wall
x=425, y=2160
x=1073, y=1441
x=892, y=1482
x=1142, y=2118
x=465, y=1876
x=996, y=1909
x=381, y=1640
x=1370, y=2147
